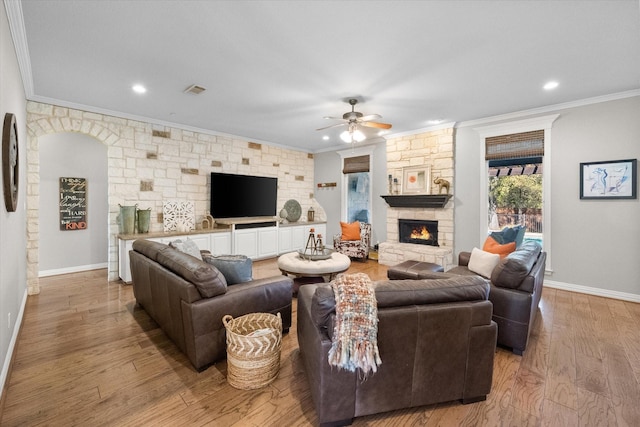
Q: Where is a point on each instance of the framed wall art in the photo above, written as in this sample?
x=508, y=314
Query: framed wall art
x=73, y=203
x=614, y=179
x=416, y=180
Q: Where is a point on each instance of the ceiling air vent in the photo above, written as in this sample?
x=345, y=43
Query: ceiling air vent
x=195, y=89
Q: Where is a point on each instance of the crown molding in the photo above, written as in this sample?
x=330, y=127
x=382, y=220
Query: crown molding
x=550, y=108
x=19, y=36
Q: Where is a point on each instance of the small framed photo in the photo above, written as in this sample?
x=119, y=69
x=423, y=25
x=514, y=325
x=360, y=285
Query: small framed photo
x=416, y=180
x=615, y=179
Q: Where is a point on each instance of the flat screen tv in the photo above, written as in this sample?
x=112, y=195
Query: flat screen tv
x=235, y=196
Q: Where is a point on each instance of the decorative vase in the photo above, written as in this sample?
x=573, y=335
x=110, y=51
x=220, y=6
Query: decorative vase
x=144, y=218
x=127, y=219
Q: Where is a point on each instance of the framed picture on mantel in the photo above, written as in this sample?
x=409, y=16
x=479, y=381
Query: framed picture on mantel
x=416, y=180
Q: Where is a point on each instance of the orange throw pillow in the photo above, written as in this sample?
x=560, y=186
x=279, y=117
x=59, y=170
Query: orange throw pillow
x=350, y=231
x=491, y=245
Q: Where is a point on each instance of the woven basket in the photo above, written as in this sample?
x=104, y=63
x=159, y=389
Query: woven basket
x=253, y=361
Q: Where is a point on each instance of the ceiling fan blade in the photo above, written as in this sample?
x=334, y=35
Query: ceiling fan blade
x=332, y=126
x=376, y=125
x=370, y=117
x=333, y=118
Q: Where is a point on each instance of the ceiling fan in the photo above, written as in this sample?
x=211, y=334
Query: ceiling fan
x=354, y=118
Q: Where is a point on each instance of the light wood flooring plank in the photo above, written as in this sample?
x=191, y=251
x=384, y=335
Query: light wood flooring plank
x=560, y=385
x=528, y=392
x=594, y=409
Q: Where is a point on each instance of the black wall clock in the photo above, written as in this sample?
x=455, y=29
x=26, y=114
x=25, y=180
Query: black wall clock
x=10, y=163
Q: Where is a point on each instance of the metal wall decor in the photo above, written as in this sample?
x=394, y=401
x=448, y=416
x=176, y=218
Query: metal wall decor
x=10, y=162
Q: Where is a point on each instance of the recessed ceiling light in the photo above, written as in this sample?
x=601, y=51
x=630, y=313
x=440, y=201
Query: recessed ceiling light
x=138, y=88
x=435, y=122
x=326, y=137
x=550, y=85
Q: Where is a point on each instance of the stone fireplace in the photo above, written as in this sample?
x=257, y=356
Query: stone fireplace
x=418, y=231
x=435, y=150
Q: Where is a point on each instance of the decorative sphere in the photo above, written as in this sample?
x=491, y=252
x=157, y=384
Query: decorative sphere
x=283, y=213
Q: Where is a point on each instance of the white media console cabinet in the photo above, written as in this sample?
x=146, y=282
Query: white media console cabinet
x=256, y=238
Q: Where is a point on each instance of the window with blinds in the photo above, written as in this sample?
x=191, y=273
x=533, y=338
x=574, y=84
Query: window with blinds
x=515, y=145
x=356, y=164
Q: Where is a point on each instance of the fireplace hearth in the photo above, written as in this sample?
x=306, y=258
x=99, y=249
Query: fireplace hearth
x=420, y=232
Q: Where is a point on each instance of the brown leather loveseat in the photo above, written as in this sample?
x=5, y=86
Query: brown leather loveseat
x=188, y=298
x=516, y=288
x=435, y=338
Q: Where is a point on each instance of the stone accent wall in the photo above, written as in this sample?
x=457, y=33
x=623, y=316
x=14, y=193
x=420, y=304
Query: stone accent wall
x=149, y=164
x=434, y=149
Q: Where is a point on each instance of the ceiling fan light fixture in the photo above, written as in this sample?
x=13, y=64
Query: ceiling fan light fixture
x=352, y=136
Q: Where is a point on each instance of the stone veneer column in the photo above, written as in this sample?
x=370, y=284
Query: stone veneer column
x=434, y=149
x=148, y=164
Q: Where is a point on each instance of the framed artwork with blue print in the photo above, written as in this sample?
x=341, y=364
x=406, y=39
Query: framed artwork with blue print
x=616, y=179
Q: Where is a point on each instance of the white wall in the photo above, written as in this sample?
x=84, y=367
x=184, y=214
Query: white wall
x=328, y=168
x=595, y=244
x=13, y=282
x=78, y=156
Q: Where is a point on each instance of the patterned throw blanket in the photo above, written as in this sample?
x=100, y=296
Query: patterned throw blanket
x=355, y=336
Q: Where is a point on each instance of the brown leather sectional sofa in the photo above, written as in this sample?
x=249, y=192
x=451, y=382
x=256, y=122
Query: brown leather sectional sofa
x=435, y=337
x=516, y=288
x=188, y=298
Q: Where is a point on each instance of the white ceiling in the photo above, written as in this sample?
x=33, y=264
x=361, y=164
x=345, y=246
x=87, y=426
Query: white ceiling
x=274, y=69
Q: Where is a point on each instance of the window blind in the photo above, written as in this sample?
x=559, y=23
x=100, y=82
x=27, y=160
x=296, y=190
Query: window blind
x=356, y=164
x=515, y=145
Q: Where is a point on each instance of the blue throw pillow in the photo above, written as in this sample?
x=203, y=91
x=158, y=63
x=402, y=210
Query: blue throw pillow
x=234, y=268
x=509, y=234
x=497, y=236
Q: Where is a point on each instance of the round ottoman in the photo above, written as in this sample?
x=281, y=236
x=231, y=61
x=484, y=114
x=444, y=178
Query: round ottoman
x=292, y=263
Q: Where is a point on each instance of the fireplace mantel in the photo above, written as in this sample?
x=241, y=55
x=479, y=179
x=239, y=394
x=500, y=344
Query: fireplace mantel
x=417, y=200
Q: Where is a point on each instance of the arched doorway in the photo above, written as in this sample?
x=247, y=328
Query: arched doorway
x=43, y=119
x=70, y=249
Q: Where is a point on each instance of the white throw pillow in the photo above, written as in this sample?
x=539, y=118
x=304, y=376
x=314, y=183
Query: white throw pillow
x=482, y=262
x=188, y=247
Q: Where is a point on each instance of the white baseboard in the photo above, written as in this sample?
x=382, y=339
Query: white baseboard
x=606, y=293
x=76, y=269
x=12, y=344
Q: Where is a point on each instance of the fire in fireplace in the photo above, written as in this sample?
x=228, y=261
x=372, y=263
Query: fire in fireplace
x=421, y=232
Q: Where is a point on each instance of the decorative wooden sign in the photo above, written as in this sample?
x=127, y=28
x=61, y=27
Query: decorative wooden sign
x=73, y=203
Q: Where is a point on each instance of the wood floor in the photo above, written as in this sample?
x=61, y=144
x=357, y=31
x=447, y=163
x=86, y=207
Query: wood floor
x=88, y=356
